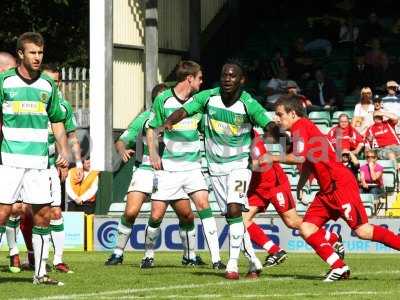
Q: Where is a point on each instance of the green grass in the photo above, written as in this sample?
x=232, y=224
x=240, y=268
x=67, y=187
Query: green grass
x=374, y=276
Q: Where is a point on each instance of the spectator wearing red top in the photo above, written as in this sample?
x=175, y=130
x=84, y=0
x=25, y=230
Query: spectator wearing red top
x=371, y=175
x=339, y=194
x=382, y=136
x=344, y=136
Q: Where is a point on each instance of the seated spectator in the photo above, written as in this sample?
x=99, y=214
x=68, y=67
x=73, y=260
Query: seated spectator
x=371, y=29
x=378, y=105
x=371, y=175
x=277, y=63
x=360, y=76
x=391, y=102
x=82, y=193
x=351, y=162
x=294, y=89
x=345, y=137
x=275, y=88
x=323, y=92
x=363, y=111
x=300, y=62
x=382, y=136
x=348, y=31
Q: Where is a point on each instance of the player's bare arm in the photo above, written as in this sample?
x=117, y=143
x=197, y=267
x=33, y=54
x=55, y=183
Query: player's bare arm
x=76, y=152
x=62, y=144
x=152, y=143
x=125, y=154
x=176, y=116
x=304, y=175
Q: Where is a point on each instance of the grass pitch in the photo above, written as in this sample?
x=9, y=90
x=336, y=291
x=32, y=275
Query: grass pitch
x=374, y=276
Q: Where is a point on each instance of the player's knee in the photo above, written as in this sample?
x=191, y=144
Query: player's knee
x=307, y=229
x=234, y=210
x=187, y=217
x=56, y=214
x=364, y=232
x=293, y=223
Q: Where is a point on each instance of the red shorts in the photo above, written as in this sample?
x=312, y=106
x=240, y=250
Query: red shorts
x=344, y=202
x=280, y=197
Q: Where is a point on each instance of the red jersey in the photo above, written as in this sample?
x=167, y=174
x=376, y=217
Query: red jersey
x=273, y=176
x=380, y=135
x=319, y=155
x=348, y=138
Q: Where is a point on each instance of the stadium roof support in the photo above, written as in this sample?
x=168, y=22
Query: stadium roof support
x=150, y=48
x=101, y=84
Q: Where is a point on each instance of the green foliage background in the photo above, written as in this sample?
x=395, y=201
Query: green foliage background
x=63, y=23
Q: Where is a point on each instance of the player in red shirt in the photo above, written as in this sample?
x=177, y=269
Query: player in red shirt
x=271, y=185
x=338, y=196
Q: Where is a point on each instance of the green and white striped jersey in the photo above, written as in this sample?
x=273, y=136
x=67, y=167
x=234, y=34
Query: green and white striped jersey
x=27, y=106
x=182, y=143
x=228, y=130
x=69, y=124
x=135, y=134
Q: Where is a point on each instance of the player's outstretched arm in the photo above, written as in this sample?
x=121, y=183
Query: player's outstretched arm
x=76, y=152
x=174, y=118
x=304, y=175
x=62, y=144
x=289, y=159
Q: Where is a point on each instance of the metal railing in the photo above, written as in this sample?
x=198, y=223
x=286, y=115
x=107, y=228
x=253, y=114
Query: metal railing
x=75, y=88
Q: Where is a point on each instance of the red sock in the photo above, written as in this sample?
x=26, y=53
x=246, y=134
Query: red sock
x=26, y=229
x=258, y=236
x=386, y=237
x=324, y=250
x=331, y=237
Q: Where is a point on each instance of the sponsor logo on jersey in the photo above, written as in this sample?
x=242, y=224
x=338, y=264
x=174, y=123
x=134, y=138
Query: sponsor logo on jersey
x=44, y=97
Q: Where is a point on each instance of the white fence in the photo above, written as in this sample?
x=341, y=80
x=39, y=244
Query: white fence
x=75, y=88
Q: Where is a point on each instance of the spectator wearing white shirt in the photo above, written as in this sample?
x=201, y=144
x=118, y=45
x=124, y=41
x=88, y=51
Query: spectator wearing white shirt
x=363, y=111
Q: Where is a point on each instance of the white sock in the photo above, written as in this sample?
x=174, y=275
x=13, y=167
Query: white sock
x=188, y=238
x=236, y=232
x=248, y=251
x=12, y=230
x=152, y=235
x=40, y=241
x=124, y=233
x=58, y=237
x=211, y=233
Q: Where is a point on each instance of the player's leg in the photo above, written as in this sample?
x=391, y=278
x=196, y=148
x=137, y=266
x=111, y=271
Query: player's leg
x=196, y=187
x=141, y=185
x=258, y=204
x=12, y=230
x=36, y=188
x=187, y=230
x=237, y=186
x=316, y=216
x=26, y=229
x=152, y=233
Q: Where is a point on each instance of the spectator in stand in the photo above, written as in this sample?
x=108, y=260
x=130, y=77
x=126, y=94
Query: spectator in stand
x=391, y=102
x=378, y=60
x=351, y=162
x=363, y=111
x=300, y=62
x=345, y=138
x=323, y=92
x=371, y=175
x=325, y=31
x=278, y=62
x=382, y=136
x=371, y=29
x=294, y=89
x=348, y=31
x=275, y=88
x=82, y=193
x=377, y=103
x=360, y=76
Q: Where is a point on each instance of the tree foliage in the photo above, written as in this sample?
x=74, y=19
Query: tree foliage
x=64, y=25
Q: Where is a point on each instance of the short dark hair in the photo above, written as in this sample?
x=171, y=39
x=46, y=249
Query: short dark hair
x=186, y=68
x=29, y=37
x=291, y=103
x=158, y=88
x=51, y=67
x=377, y=99
x=236, y=62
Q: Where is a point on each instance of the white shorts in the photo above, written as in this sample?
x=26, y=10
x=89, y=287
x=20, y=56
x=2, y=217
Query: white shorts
x=178, y=185
x=35, y=184
x=55, y=187
x=142, y=181
x=231, y=188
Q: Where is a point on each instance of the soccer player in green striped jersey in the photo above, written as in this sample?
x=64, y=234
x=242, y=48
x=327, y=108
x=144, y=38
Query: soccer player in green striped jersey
x=230, y=115
x=29, y=101
x=141, y=185
x=178, y=171
x=56, y=219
